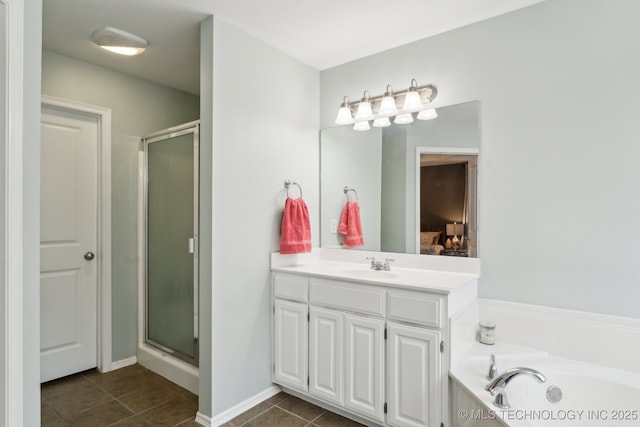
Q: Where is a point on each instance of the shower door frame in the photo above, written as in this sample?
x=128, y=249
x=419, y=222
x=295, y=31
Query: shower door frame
x=163, y=135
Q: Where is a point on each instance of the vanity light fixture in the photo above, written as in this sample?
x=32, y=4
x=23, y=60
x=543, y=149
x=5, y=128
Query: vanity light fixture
x=412, y=100
x=365, y=111
x=344, y=116
x=382, y=107
x=428, y=114
x=381, y=122
x=403, y=119
x=388, y=103
x=119, y=41
x=363, y=125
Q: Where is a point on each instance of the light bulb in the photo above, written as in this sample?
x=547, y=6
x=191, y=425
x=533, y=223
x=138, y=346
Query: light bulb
x=381, y=122
x=427, y=114
x=362, y=126
x=403, y=119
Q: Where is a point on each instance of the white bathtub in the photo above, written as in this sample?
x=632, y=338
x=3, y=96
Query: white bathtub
x=592, y=395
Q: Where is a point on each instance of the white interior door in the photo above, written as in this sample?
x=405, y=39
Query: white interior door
x=68, y=243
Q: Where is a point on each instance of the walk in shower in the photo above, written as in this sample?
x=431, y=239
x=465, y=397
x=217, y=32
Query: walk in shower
x=169, y=321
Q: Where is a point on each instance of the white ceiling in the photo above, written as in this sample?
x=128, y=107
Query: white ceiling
x=320, y=33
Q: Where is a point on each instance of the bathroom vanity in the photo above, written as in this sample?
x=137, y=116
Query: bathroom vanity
x=372, y=345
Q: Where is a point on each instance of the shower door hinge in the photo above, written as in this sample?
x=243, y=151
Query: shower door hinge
x=441, y=346
x=308, y=317
x=385, y=333
x=385, y=407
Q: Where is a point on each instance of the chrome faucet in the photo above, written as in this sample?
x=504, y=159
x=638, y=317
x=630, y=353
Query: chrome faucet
x=497, y=386
x=493, y=369
x=379, y=265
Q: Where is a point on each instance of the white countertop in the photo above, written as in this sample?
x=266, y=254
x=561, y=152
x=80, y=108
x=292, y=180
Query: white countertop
x=403, y=273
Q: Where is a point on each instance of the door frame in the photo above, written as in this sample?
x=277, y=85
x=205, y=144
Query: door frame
x=103, y=116
x=12, y=387
x=470, y=151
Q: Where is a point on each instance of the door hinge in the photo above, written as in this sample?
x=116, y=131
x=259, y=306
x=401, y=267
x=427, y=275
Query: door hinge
x=308, y=382
x=441, y=424
x=441, y=346
x=308, y=317
x=385, y=337
x=385, y=407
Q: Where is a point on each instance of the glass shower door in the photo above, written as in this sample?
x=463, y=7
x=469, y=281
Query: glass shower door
x=171, y=237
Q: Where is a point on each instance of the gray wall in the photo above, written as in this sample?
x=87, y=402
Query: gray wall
x=265, y=130
x=138, y=108
x=558, y=175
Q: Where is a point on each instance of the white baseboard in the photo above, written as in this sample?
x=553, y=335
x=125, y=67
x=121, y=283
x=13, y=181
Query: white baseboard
x=123, y=363
x=238, y=409
x=203, y=420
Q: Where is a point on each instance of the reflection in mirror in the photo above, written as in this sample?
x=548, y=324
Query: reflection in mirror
x=397, y=200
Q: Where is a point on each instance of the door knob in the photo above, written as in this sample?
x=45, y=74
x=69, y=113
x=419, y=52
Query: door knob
x=89, y=256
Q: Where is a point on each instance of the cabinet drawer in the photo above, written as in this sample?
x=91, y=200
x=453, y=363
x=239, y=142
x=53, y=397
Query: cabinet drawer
x=415, y=307
x=291, y=287
x=358, y=298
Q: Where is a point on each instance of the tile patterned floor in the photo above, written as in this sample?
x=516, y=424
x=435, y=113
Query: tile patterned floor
x=135, y=396
x=131, y=396
x=284, y=410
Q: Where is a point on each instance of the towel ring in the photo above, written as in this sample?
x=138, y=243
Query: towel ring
x=346, y=192
x=288, y=184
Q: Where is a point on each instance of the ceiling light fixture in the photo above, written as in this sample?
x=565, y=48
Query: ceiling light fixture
x=380, y=108
x=119, y=41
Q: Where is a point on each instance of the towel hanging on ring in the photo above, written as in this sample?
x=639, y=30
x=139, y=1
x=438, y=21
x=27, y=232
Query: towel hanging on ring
x=350, y=225
x=295, y=233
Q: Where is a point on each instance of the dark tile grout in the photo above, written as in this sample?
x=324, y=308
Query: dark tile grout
x=113, y=398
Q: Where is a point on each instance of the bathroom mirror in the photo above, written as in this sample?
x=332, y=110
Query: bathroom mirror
x=412, y=183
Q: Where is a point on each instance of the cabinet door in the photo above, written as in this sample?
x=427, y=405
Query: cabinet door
x=290, y=344
x=326, y=354
x=364, y=365
x=413, y=375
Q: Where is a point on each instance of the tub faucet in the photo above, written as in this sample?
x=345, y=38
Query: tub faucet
x=497, y=386
x=493, y=370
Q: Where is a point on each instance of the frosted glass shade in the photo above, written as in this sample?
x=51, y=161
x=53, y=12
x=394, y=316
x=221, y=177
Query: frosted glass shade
x=381, y=122
x=362, y=126
x=403, y=119
x=388, y=106
x=427, y=114
x=344, y=116
x=364, y=111
x=412, y=101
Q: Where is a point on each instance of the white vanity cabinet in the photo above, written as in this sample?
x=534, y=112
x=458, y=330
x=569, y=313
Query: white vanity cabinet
x=374, y=351
x=290, y=332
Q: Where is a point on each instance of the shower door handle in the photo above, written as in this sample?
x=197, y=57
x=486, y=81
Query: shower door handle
x=191, y=245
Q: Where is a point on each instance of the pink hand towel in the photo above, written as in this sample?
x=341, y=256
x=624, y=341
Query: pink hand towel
x=350, y=225
x=295, y=234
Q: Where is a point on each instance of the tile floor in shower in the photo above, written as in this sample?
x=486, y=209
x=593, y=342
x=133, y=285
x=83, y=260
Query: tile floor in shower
x=135, y=396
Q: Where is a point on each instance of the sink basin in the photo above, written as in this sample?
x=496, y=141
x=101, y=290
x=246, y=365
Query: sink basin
x=369, y=274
